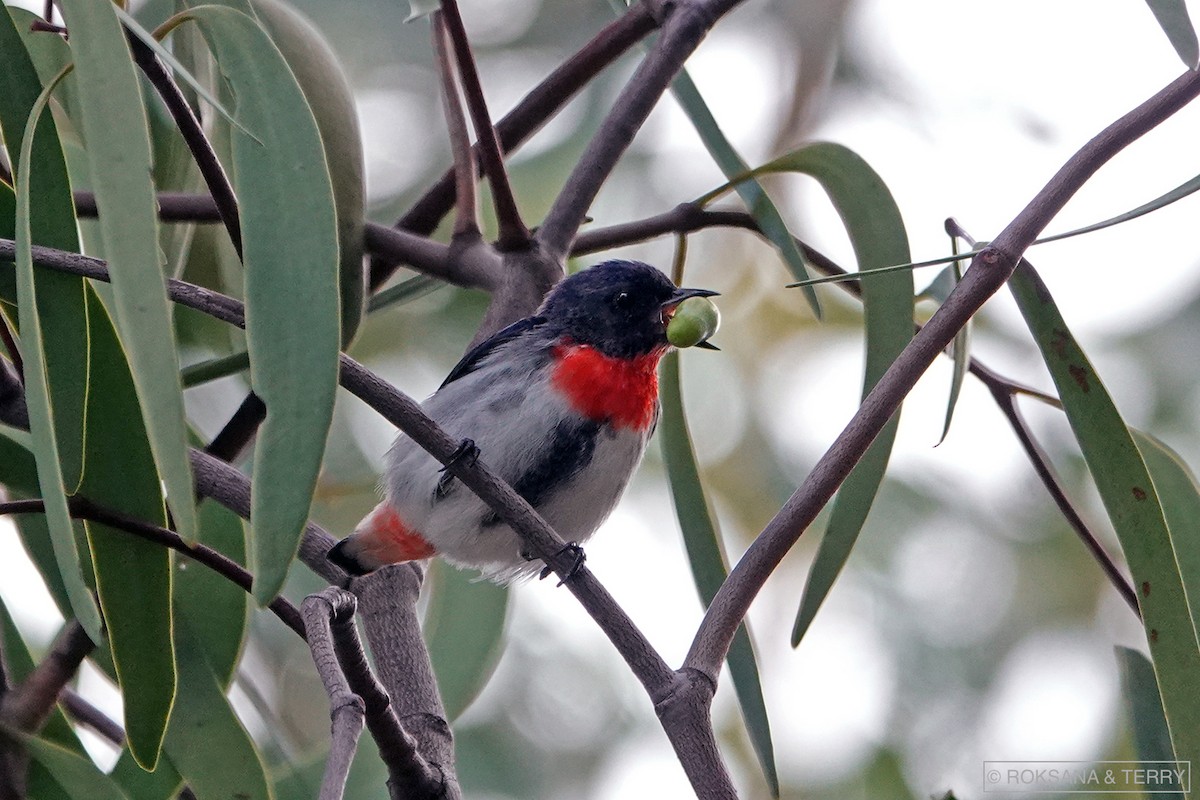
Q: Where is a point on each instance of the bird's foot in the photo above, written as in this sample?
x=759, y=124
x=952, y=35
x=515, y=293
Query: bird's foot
x=577, y=556
x=466, y=453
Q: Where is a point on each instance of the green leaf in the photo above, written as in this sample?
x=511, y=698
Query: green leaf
x=1133, y=505
x=118, y=145
x=75, y=774
x=876, y=231
x=293, y=329
x=18, y=469
x=757, y=202
x=403, y=292
x=60, y=296
x=162, y=784
x=206, y=743
x=1172, y=16
x=464, y=631
x=960, y=351
x=1151, y=739
x=216, y=609
x=703, y=543
x=133, y=576
x=1180, y=496
x=331, y=99
x=41, y=411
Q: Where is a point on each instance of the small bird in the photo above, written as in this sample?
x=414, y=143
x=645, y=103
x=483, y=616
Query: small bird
x=559, y=404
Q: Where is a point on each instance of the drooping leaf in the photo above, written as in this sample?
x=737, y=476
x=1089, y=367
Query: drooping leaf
x=876, y=231
x=206, y=743
x=75, y=774
x=1133, y=506
x=162, y=784
x=41, y=411
x=960, y=351
x=216, y=609
x=703, y=543
x=464, y=631
x=1172, y=16
x=757, y=202
x=331, y=99
x=114, y=125
x=1151, y=739
x=133, y=576
x=291, y=259
x=1179, y=493
x=60, y=296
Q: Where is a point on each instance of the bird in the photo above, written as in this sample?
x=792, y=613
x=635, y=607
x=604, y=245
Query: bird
x=560, y=404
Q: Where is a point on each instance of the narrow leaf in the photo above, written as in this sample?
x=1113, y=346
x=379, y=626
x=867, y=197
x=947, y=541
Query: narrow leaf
x=59, y=296
x=331, y=99
x=118, y=145
x=291, y=259
x=37, y=397
x=216, y=609
x=1151, y=739
x=876, y=231
x=206, y=743
x=75, y=774
x=133, y=576
x=757, y=202
x=464, y=630
x=1172, y=16
x=703, y=543
x=960, y=351
x=1180, y=496
x=1133, y=505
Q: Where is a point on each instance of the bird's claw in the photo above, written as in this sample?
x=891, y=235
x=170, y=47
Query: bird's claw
x=467, y=453
x=578, y=557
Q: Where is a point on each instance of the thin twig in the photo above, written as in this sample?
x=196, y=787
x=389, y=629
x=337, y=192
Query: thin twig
x=346, y=709
x=342, y=664
x=465, y=169
x=227, y=568
x=211, y=170
x=83, y=712
x=27, y=706
x=989, y=271
x=539, y=105
x=238, y=432
x=513, y=233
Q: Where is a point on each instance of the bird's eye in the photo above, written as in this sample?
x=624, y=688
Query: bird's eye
x=623, y=300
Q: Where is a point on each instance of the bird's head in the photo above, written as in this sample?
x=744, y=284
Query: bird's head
x=621, y=308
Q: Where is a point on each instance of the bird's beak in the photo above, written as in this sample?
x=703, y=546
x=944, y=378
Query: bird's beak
x=681, y=294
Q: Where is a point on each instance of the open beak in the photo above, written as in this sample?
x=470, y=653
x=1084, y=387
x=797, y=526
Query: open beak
x=681, y=294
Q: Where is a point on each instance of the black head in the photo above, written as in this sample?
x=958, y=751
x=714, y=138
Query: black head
x=619, y=307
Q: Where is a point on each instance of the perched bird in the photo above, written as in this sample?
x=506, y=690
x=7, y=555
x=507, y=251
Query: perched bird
x=559, y=404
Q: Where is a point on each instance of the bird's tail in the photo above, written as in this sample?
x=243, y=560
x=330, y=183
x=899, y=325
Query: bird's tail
x=381, y=538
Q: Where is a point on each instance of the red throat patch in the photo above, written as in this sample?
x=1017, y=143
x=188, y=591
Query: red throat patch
x=621, y=391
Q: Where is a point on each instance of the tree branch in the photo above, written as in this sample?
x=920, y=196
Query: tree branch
x=465, y=166
x=219, y=187
x=513, y=233
x=84, y=713
x=988, y=272
x=685, y=25
x=527, y=117
x=27, y=706
x=81, y=508
x=342, y=665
